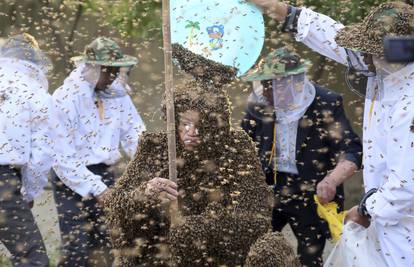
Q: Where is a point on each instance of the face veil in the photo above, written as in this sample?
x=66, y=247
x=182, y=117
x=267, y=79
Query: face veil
x=288, y=96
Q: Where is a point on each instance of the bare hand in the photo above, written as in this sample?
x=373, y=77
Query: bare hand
x=353, y=215
x=101, y=198
x=162, y=189
x=326, y=190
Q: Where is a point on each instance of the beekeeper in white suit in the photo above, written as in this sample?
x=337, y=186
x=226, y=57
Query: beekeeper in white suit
x=388, y=130
x=25, y=146
x=95, y=118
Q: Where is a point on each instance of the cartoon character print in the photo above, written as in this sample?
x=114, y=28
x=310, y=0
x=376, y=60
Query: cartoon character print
x=216, y=33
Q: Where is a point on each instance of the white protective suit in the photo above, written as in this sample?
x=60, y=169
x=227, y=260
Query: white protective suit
x=25, y=115
x=84, y=137
x=292, y=95
x=388, y=142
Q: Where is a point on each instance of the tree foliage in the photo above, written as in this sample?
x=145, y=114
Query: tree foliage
x=131, y=18
x=143, y=18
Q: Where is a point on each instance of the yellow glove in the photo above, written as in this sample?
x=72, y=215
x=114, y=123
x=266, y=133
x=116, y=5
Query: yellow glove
x=335, y=220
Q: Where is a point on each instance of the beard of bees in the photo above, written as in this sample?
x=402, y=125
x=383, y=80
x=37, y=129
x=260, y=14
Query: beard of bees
x=214, y=109
x=214, y=129
x=204, y=93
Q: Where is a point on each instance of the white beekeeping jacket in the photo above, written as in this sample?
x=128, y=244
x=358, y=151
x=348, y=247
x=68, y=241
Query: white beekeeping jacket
x=388, y=140
x=25, y=132
x=85, y=136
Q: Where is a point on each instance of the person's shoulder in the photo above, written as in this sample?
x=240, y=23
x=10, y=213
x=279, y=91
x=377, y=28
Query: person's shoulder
x=72, y=89
x=241, y=140
x=326, y=97
x=125, y=101
x=63, y=94
x=153, y=142
x=28, y=93
x=41, y=97
x=259, y=112
x=239, y=134
x=325, y=93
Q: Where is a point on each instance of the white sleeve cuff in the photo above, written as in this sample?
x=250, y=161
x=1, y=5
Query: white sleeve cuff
x=97, y=188
x=381, y=210
x=32, y=194
x=29, y=197
x=304, y=23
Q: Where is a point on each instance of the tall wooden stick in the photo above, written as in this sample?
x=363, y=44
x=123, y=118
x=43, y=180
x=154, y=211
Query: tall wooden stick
x=169, y=91
x=169, y=98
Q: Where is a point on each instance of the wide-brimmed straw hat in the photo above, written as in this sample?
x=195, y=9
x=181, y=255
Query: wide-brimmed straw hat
x=388, y=19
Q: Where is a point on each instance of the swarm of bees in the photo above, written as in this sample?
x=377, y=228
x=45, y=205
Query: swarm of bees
x=261, y=253
x=224, y=200
x=205, y=71
x=403, y=26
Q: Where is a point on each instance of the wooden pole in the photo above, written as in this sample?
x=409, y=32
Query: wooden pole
x=169, y=98
x=169, y=91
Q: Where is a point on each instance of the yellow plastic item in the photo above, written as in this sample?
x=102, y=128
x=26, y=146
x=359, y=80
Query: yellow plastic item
x=335, y=220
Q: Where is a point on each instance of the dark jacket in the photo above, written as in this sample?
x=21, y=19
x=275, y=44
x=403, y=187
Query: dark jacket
x=324, y=134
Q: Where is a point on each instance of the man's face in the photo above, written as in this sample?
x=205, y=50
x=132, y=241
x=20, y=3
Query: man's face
x=268, y=90
x=107, y=77
x=277, y=91
x=188, y=129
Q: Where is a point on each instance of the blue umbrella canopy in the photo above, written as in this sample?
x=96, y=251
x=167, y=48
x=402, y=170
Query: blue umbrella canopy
x=230, y=32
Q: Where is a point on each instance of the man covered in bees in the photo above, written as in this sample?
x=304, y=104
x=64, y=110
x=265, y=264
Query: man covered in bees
x=224, y=202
